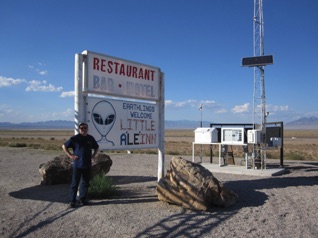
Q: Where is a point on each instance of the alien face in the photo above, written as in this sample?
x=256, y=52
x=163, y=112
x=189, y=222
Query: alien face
x=103, y=116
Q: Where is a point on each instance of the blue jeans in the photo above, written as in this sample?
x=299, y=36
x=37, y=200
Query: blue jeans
x=80, y=177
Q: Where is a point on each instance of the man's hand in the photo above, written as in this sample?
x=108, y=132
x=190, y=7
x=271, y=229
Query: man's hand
x=73, y=157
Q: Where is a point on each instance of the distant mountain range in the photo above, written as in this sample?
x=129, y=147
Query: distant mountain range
x=302, y=123
x=60, y=124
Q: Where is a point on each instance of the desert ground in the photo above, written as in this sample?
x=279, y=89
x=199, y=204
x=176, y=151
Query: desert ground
x=277, y=206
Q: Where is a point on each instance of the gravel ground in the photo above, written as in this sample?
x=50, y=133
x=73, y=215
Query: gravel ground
x=281, y=206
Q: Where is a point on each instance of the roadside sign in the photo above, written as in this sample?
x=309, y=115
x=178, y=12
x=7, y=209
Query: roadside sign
x=118, y=77
x=122, y=102
x=125, y=125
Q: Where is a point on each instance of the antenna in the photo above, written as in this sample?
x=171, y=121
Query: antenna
x=259, y=102
x=259, y=61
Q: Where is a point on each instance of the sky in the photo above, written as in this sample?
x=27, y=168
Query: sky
x=198, y=44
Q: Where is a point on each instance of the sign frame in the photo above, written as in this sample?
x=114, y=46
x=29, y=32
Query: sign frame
x=113, y=89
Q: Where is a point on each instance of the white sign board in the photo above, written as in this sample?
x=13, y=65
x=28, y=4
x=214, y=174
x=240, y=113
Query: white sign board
x=121, y=101
x=125, y=125
x=114, y=76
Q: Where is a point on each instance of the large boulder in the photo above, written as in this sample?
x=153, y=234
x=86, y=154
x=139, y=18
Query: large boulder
x=192, y=186
x=56, y=171
x=101, y=164
x=59, y=170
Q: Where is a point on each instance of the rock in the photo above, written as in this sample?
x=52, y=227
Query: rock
x=56, y=171
x=192, y=186
x=59, y=170
x=101, y=164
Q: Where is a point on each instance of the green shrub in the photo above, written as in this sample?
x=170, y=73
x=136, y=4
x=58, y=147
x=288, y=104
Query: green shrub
x=173, y=152
x=149, y=152
x=294, y=156
x=18, y=145
x=101, y=187
x=3, y=143
x=51, y=147
x=35, y=146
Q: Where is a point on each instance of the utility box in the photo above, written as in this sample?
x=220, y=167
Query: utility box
x=275, y=141
x=232, y=135
x=206, y=135
x=253, y=136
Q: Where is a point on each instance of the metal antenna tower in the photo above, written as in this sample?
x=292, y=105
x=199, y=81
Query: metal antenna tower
x=259, y=102
x=259, y=61
x=259, y=99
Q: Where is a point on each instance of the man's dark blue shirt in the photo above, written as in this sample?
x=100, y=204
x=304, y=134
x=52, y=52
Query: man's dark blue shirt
x=82, y=147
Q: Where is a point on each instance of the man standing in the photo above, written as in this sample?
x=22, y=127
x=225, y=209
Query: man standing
x=82, y=146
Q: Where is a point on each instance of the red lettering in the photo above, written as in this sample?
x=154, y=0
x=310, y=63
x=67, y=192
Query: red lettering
x=134, y=74
x=110, y=69
x=116, y=67
x=99, y=64
x=147, y=74
x=102, y=66
x=141, y=75
x=96, y=64
x=128, y=70
x=122, y=69
x=152, y=74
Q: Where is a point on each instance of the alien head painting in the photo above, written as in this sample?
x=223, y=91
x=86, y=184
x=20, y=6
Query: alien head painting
x=103, y=117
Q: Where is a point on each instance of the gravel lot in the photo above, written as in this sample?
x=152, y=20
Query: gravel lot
x=281, y=206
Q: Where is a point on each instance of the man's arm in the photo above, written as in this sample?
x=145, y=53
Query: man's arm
x=95, y=152
x=69, y=154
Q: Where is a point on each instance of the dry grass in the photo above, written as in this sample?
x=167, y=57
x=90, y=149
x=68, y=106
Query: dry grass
x=298, y=144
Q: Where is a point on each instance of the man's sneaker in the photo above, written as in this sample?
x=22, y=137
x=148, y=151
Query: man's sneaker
x=72, y=205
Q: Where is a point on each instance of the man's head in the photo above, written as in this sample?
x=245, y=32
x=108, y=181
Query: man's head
x=83, y=128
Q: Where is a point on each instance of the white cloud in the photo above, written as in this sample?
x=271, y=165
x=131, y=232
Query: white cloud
x=42, y=72
x=272, y=108
x=241, y=108
x=13, y=115
x=34, y=85
x=67, y=94
x=187, y=103
x=42, y=86
x=9, y=114
x=168, y=102
x=38, y=70
x=208, y=104
x=7, y=82
x=68, y=114
x=191, y=103
x=4, y=110
x=222, y=110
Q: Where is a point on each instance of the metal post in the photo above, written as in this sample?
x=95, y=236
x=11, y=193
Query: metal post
x=282, y=146
x=200, y=108
x=78, y=84
x=161, y=148
x=211, y=154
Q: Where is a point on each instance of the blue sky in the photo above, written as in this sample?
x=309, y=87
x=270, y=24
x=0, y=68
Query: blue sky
x=197, y=44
